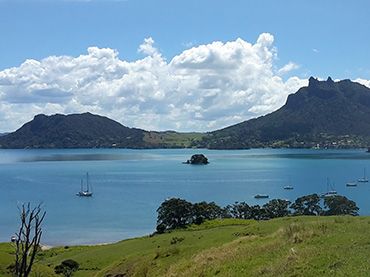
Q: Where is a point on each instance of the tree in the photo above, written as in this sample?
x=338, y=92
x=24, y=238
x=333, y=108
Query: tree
x=307, y=205
x=340, y=205
x=276, y=208
x=174, y=213
x=67, y=267
x=27, y=239
x=258, y=213
x=240, y=210
x=205, y=211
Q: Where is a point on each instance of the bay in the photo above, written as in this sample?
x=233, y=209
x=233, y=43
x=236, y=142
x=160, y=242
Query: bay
x=129, y=185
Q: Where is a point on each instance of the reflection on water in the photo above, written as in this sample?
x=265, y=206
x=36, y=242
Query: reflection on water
x=322, y=155
x=75, y=157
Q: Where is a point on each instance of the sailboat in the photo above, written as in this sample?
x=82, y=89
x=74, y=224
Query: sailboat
x=289, y=186
x=363, y=179
x=87, y=192
x=330, y=190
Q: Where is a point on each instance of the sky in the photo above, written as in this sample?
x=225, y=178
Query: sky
x=195, y=65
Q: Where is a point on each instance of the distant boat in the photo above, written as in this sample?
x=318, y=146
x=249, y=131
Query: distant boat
x=87, y=192
x=363, y=179
x=330, y=190
x=351, y=184
x=329, y=193
x=258, y=196
x=288, y=187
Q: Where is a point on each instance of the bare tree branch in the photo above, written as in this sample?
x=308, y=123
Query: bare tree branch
x=27, y=239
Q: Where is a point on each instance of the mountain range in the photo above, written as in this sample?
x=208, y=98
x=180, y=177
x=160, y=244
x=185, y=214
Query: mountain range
x=323, y=114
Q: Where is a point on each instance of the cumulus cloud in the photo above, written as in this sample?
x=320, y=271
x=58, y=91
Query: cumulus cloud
x=287, y=68
x=202, y=88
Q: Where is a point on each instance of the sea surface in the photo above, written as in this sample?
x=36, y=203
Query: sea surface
x=129, y=185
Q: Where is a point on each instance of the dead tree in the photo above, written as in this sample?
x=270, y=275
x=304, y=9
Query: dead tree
x=27, y=239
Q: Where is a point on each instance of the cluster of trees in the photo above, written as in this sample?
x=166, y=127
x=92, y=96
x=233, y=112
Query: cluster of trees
x=178, y=213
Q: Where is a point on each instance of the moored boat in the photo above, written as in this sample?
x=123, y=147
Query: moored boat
x=87, y=192
x=258, y=196
x=351, y=184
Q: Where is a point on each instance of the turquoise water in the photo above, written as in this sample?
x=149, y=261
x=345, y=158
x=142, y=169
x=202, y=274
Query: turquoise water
x=129, y=185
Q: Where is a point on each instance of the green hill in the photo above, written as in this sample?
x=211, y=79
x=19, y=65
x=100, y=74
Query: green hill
x=328, y=113
x=72, y=131
x=90, y=131
x=290, y=246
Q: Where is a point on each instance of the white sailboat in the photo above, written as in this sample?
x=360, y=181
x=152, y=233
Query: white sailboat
x=330, y=190
x=87, y=192
x=289, y=186
x=363, y=179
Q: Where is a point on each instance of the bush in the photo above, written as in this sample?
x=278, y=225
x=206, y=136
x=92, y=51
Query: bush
x=67, y=267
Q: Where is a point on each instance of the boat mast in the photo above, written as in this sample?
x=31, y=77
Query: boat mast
x=87, y=180
x=364, y=173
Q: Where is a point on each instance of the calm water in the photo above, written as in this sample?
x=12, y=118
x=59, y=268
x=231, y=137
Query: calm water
x=129, y=185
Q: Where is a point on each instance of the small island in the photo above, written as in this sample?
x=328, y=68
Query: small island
x=197, y=159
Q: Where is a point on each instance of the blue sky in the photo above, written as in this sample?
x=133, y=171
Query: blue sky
x=318, y=38
x=338, y=30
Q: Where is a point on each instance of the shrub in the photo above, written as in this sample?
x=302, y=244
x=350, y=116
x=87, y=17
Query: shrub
x=67, y=267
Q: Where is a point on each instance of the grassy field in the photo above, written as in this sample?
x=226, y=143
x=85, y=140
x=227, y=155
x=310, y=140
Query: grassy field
x=291, y=246
x=172, y=139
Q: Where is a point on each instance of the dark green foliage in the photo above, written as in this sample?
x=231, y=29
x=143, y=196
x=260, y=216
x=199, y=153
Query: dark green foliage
x=174, y=213
x=178, y=213
x=324, y=113
x=205, y=211
x=340, y=205
x=67, y=267
x=307, y=205
x=72, y=131
x=198, y=159
x=240, y=210
x=257, y=213
x=161, y=228
x=276, y=208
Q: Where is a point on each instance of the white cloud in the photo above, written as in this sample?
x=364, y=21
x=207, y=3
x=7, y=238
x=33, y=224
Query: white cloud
x=363, y=82
x=287, y=68
x=148, y=48
x=203, y=88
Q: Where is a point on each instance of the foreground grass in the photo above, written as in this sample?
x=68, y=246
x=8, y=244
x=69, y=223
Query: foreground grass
x=292, y=246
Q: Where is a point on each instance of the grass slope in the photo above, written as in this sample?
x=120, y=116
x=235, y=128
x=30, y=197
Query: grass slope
x=171, y=139
x=291, y=246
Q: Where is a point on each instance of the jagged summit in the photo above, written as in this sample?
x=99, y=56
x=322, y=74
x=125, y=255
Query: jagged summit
x=322, y=109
